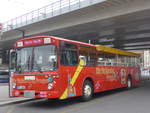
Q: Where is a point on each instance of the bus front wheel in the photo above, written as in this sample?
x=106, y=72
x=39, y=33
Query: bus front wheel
x=87, y=90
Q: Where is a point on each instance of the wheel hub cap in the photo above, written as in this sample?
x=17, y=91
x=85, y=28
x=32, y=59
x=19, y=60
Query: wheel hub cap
x=87, y=90
x=129, y=83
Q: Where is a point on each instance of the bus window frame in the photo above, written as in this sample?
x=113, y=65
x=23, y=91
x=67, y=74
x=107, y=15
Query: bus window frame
x=57, y=54
x=131, y=59
x=88, y=55
x=61, y=50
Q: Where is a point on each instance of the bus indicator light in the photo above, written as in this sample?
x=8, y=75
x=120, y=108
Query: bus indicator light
x=50, y=86
x=50, y=79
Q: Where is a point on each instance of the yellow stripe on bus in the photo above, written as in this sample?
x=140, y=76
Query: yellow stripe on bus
x=74, y=78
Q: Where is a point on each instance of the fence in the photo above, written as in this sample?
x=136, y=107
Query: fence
x=49, y=11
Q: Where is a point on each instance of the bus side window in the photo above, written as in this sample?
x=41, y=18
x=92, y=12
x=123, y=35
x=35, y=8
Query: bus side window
x=89, y=54
x=101, y=59
x=107, y=59
x=69, y=54
x=121, y=60
x=110, y=59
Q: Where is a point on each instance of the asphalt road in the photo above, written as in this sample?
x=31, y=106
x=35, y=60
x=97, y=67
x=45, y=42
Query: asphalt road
x=136, y=100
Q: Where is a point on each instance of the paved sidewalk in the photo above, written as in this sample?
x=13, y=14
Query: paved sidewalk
x=4, y=96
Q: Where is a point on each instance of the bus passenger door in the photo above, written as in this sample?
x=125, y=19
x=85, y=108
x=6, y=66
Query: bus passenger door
x=69, y=63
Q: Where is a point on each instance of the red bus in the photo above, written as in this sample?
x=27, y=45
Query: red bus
x=52, y=67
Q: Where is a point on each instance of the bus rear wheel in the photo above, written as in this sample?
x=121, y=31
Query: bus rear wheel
x=87, y=91
x=129, y=83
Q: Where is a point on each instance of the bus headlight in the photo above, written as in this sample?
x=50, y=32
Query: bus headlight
x=50, y=86
x=50, y=79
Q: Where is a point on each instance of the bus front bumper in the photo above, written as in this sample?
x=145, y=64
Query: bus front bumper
x=35, y=94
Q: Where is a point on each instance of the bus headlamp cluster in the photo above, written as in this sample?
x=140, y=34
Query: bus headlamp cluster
x=50, y=79
x=50, y=84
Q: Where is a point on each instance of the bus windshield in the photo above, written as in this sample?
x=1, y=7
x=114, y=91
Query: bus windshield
x=36, y=59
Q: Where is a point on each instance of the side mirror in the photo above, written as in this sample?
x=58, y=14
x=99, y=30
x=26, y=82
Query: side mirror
x=12, y=60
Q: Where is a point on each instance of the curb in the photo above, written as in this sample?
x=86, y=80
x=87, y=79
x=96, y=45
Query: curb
x=14, y=102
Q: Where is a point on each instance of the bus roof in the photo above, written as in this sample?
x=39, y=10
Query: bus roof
x=115, y=51
x=72, y=41
x=57, y=38
x=98, y=47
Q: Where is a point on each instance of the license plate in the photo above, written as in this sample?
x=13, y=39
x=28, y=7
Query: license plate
x=29, y=94
x=29, y=77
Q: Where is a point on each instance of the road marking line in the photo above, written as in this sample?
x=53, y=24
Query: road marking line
x=11, y=109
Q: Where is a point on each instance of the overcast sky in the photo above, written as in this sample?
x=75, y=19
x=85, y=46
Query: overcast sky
x=10, y=9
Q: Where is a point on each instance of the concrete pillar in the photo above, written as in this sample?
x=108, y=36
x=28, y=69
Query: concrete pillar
x=4, y=56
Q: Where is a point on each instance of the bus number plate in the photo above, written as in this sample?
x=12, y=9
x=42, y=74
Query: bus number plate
x=29, y=94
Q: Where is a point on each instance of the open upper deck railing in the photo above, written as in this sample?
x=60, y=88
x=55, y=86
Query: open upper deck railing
x=57, y=8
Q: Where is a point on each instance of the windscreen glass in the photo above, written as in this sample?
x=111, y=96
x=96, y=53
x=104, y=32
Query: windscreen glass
x=37, y=59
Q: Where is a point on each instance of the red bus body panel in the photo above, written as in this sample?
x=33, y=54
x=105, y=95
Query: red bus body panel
x=103, y=77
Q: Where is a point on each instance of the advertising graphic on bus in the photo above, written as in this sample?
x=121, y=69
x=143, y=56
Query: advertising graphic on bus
x=52, y=67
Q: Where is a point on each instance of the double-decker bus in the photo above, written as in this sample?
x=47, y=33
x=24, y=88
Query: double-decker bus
x=52, y=67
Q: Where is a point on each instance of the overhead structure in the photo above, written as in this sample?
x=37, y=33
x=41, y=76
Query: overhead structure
x=122, y=24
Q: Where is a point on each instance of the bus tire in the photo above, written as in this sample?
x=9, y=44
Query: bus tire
x=129, y=83
x=87, y=90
